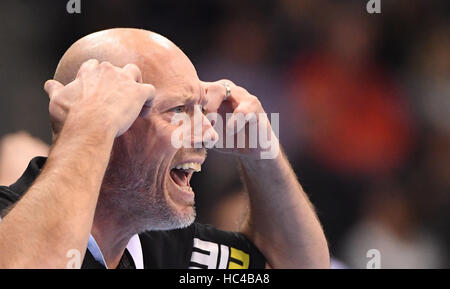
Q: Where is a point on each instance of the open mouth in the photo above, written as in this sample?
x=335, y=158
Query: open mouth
x=181, y=174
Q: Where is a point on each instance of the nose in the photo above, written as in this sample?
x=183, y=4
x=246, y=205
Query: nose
x=204, y=134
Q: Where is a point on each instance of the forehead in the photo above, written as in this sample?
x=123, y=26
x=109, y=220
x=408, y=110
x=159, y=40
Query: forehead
x=179, y=92
x=171, y=72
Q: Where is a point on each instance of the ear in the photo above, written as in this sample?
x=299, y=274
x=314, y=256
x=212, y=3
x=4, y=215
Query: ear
x=51, y=87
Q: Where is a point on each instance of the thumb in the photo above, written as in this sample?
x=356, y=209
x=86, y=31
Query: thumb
x=51, y=86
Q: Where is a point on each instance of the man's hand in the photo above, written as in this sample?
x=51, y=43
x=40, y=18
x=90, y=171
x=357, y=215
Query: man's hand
x=246, y=112
x=101, y=94
x=56, y=214
x=282, y=222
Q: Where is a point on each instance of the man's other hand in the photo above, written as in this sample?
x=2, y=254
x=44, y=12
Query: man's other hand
x=243, y=109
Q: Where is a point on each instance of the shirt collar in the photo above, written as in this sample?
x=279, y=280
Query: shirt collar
x=31, y=173
x=134, y=247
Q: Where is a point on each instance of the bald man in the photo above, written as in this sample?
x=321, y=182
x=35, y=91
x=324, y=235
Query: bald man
x=114, y=192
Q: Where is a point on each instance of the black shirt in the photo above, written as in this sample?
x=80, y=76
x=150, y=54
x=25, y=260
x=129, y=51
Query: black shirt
x=197, y=246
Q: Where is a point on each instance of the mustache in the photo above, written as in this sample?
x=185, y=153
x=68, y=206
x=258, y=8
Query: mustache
x=184, y=153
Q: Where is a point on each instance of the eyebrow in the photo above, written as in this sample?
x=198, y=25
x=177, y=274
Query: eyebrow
x=190, y=98
x=186, y=99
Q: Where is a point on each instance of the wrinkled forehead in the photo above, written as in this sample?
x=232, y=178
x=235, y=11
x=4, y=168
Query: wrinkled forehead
x=179, y=91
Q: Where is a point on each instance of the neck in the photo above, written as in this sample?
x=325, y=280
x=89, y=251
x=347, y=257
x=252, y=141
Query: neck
x=111, y=235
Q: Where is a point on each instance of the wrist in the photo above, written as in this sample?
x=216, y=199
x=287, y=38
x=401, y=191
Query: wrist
x=80, y=141
x=88, y=124
x=83, y=138
x=258, y=163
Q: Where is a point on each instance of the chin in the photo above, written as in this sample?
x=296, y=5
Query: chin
x=181, y=205
x=174, y=218
x=174, y=202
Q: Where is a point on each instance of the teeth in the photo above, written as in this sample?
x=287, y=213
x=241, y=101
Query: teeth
x=186, y=188
x=196, y=167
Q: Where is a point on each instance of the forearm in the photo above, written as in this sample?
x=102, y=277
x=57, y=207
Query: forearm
x=56, y=213
x=282, y=222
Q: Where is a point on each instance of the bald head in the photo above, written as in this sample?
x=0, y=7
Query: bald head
x=159, y=59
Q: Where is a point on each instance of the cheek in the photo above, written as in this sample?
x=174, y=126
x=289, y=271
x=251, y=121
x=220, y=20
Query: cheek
x=161, y=133
x=148, y=141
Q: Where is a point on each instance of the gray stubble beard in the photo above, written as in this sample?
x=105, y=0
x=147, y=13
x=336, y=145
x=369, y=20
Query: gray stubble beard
x=129, y=197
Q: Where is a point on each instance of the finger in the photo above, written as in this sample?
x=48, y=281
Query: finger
x=148, y=91
x=51, y=87
x=134, y=71
x=240, y=117
x=88, y=65
x=215, y=93
x=237, y=94
x=57, y=112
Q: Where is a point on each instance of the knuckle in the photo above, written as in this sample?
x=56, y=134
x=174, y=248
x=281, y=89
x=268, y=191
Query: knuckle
x=91, y=61
x=133, y=66
x=148, y=89
x=85, y=65
x=241, y=90
x=231, y=83
x=254, y=99
x=132, y=70
x=106, y=65
x=151, y=88
x=216, y=87
x=252, y=103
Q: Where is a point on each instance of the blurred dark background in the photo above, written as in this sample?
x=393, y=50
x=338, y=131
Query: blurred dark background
x=364, y=103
